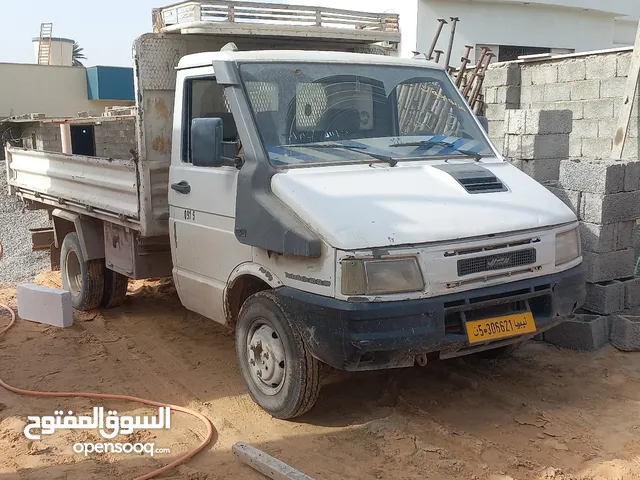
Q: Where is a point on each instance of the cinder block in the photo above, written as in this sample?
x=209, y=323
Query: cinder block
x=525, y=75
x=535, y=147
x=632, y=176
x=625, y=332
x=580, y=332
x=575, y=146
x=613, y=87
x=570, y=198
x=602, y=108
x=546, y=122
x=617, y=207
x=509, y=94
x=632, y=293
x=544, y=74
x=557, y=92
x=531, y=93
x=610, y=237
x=491, y=95
x=542, y=170
x=585, y=128
x=576, y=107
x=594, y=176
x=597, y=147
x=499, y=76
x=515, y=121
x=572, y=70
x=496, y=129
x=605, y=298
x=631, y=149
x=499, y=144
x=495, y=112
x=607, y=127
x=604, y=267
x=623, y=64
x=585, y=90
x=601, y=67
x=45, y=305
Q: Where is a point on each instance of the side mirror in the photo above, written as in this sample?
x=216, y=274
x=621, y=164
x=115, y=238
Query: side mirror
x=206, y=142
x=484, y=122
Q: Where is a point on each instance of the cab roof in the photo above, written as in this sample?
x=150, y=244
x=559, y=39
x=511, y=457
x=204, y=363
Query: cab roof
x=302, y=56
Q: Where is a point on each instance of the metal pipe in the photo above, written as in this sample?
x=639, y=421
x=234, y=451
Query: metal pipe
x=436, y=38
x=481, y=76
x=65, y=138
x=438, y=53
x=454, y=23
x=476, y=71
x=463, y=65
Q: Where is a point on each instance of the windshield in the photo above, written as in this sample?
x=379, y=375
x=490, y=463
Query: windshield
x=311, y=113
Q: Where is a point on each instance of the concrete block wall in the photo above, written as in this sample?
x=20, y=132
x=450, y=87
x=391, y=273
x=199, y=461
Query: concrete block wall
x=115, y=138
x=591, y=86
x=536, y=141
x=605, y=195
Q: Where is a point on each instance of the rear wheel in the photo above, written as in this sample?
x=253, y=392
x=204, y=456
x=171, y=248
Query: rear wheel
x=84, y=279
x=115, y=289
x=281, y=375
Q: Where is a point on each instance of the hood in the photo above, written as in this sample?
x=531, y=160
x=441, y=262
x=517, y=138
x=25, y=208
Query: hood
x=367, y=206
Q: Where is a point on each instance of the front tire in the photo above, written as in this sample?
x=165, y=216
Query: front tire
x=84, y=279
x=280, y=373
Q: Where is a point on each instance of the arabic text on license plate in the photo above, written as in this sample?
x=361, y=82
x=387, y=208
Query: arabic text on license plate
x=500, y=327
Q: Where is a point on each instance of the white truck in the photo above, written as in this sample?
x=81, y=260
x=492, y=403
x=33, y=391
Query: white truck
x=331, y=207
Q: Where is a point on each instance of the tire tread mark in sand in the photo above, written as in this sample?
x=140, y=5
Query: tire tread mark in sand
x=145, y=376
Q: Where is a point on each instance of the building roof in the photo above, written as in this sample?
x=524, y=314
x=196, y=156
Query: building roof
x=207, y=58
x=56, y=39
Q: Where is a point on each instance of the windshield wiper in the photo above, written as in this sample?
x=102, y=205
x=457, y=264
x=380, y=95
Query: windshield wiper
x=432, y=143
x=383, y=158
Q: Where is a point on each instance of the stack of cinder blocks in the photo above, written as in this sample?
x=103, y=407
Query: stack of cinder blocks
x=536, y=141
x=605, y=195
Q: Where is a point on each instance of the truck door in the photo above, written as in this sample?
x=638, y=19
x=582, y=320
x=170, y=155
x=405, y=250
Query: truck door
x=202, y=204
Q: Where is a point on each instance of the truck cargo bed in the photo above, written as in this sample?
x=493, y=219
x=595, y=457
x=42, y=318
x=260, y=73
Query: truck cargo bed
x=106, y=188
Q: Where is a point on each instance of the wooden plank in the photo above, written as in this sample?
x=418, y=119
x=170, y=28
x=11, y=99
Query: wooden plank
x=627, y=106
x=266, y=464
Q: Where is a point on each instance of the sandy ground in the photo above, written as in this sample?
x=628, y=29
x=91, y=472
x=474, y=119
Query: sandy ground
x=545, y=414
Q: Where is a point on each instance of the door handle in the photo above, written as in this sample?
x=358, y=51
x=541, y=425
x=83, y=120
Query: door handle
x=181, y=187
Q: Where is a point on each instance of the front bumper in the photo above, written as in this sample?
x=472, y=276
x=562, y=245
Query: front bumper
x=379, y=335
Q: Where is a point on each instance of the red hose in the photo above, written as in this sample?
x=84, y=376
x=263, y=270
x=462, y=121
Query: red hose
x=210, y=428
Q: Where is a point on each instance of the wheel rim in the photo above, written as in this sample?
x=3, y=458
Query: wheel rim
x=266, y=357
x=73, y=272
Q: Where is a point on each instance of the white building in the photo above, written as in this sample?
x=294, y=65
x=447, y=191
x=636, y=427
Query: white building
x=509, y=27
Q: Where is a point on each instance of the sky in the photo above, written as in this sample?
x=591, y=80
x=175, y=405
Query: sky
x=105, y=29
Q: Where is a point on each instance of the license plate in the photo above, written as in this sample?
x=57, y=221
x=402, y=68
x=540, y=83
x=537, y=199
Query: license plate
x=500, y=327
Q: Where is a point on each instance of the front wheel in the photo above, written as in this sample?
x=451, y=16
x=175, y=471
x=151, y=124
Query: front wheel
x=281, y=375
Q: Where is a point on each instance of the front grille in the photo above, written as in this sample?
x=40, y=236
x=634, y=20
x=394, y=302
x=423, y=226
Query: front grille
x=501, y=261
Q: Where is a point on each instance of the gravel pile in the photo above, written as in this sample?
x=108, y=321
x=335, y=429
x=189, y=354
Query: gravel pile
x=18, y=262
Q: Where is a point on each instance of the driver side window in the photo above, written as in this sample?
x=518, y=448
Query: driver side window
x=205, y=98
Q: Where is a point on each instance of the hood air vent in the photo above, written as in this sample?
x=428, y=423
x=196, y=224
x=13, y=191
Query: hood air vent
x=474, y=178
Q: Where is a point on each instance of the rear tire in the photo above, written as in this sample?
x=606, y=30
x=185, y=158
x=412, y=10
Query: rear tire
x=115, y=289
x=84, y=279
x=280, y=373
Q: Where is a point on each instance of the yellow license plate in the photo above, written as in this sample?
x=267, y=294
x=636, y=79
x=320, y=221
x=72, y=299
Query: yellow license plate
x=500, y=327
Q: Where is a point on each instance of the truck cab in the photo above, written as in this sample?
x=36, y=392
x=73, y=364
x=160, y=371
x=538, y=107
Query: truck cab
x=349, y=209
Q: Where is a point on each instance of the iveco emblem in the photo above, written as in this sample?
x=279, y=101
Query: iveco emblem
x=499, y=262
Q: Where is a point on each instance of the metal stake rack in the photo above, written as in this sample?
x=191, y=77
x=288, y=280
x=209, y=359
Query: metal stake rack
x=468, y=78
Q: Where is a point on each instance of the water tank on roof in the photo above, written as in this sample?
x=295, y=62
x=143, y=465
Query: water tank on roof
x=61, y=51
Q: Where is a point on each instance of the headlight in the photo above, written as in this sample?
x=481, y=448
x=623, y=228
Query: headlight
x=567, y=246
x=378, y=277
